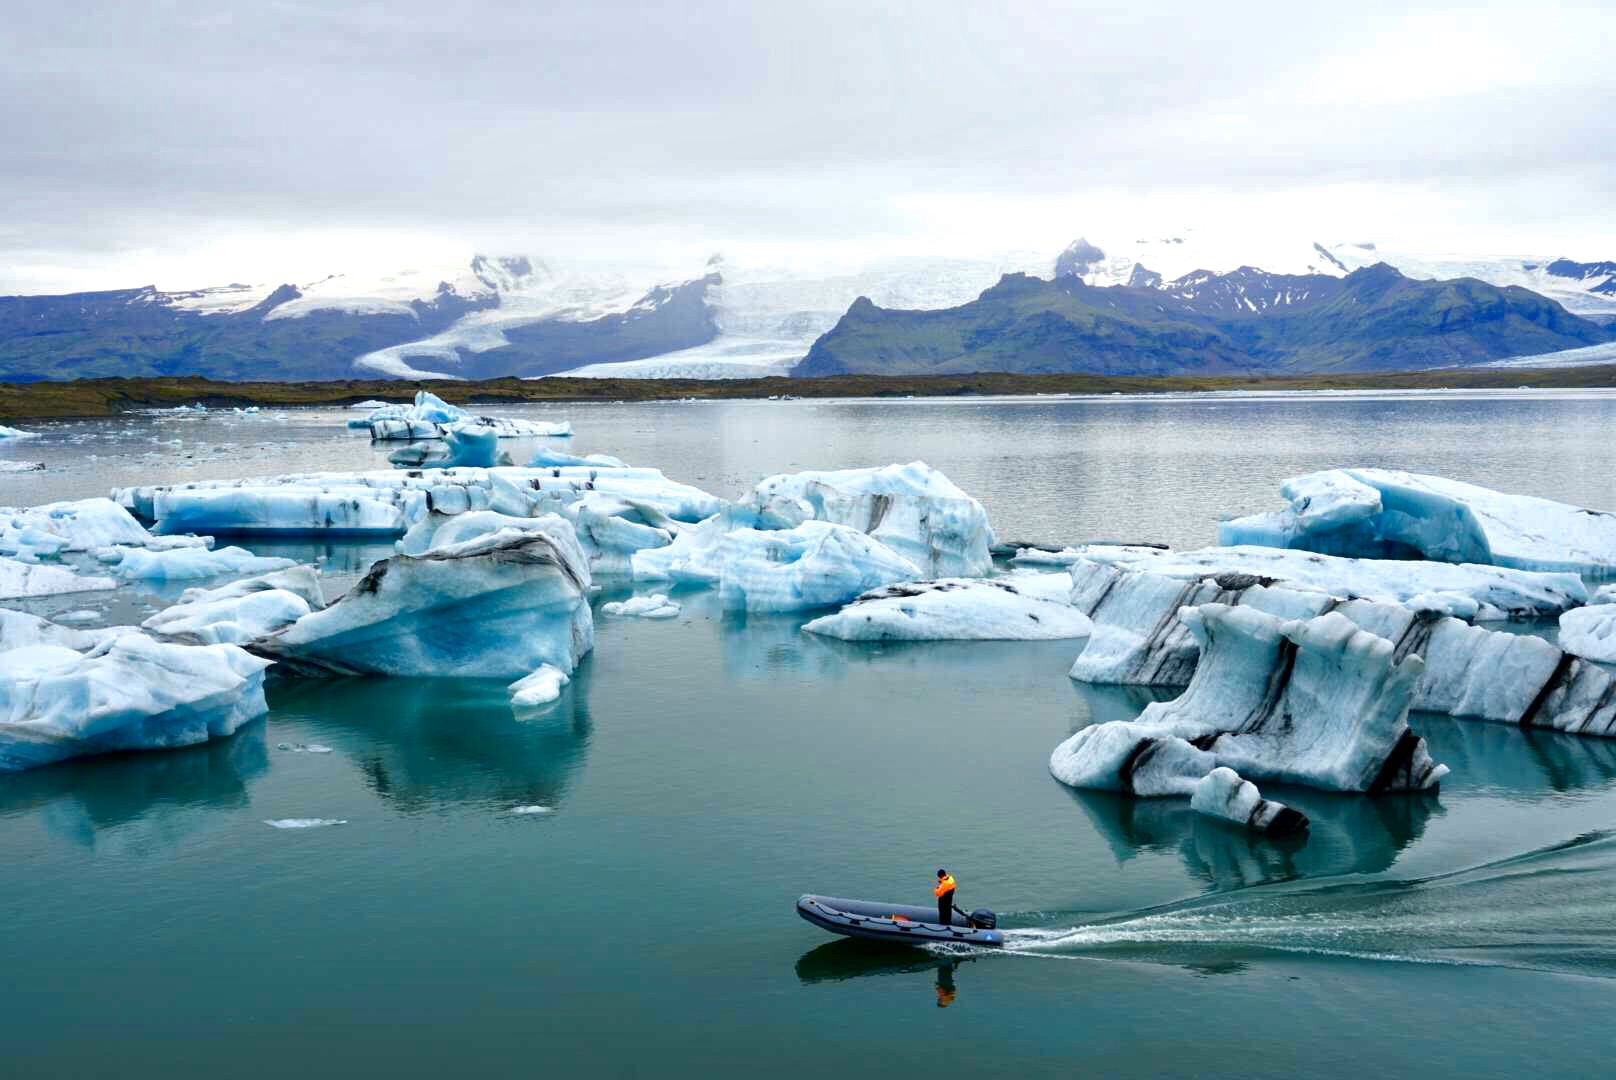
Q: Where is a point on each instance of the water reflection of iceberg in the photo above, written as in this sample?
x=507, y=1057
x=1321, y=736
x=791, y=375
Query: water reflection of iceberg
x=144, y=799
x=1350, y=834
x=1511, y=759
x=421, y=743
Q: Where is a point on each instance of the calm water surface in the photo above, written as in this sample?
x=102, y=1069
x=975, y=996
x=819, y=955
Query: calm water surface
x=700, y=773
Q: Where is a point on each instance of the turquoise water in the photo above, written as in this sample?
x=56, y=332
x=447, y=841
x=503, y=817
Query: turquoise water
x=700, y=773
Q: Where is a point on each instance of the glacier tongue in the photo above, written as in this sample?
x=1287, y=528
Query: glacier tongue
x=1378, y=512
x=1315, y=701
x=497, y=605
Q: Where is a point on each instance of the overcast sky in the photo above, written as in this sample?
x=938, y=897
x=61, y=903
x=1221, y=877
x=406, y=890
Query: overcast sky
x=186, y=144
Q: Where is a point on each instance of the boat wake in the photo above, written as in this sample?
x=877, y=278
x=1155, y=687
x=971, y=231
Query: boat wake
x=1553, y=909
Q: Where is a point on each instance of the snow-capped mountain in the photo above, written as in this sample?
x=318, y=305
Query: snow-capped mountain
x=494, y=316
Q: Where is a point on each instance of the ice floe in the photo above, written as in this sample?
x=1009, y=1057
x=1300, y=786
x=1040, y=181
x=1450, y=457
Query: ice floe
x=1316, y=701
x=1222, y=793
x=234, y=621
x=498, y=606
x=540, y=688
x=19, y=579
x=127, y=693
x=19, y=629
x=388, y=502
x=1380, y=512
x=954, y=609
x=81, y=525
x=913, y=509
x=655, y=606
x=190, y=563
x=546, y=456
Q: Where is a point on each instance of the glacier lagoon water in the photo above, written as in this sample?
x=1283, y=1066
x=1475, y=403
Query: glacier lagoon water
x=701, y=772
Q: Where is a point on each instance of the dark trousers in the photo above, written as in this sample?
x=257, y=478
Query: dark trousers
x=945, y=908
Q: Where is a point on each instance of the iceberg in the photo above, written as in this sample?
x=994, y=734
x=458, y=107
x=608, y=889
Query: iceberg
x=465, y=445
x=817, y=564
x=957, y=609
x=1317, y=702
x=388, y=502
x=656, y=606
x=190, y=563
x=1383, y=512
x=1222, y=794
x=538, y=689
x=1470, y=592
x=913, y=509
x=241, y=611
x=19, y=579
x=430, y=417
x=16, y=433
x=1470, y=672
x=1590, y=633
x=498, y=605
x=128, y=693
x=545, y=456
x=81, y=525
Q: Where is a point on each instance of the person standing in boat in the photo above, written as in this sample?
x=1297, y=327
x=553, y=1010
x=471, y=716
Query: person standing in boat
x=945, y=897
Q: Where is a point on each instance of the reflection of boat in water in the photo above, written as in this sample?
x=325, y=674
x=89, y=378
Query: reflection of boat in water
x=424, y=742
x=837, y=961
x=898, y=924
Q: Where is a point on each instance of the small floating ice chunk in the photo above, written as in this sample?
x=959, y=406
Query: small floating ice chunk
x=16, y=433
x=303, y=748
x=953, y=609
x=7, y=465
x=79, y=617
x=656, y=606
x=1222, y=793
x=186, y=564
x=303, y=822
x=540, y=688
x=533, y=809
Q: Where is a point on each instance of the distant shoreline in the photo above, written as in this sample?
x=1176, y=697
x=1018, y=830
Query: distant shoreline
x=108, y=397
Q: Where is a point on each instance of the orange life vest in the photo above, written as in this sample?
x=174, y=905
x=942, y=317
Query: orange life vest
x=945, y=885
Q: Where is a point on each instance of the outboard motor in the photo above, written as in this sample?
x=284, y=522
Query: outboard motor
x=983, y=919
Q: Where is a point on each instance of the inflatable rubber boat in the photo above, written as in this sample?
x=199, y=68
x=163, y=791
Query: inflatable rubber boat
x=902, y=923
